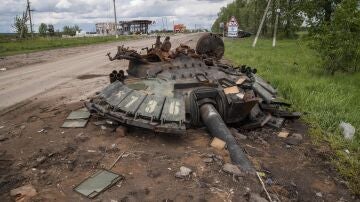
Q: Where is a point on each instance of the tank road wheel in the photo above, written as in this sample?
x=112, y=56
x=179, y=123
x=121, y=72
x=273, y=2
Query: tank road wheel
x=211, y=45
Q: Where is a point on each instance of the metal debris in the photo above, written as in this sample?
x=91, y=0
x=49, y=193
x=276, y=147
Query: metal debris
x=97, y=183
x=168, y=91
x=79, y=114
x=77, y=119
x=79, y=123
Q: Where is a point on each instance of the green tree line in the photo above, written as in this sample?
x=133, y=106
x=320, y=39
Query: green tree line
x=249, y=13
x=333, y=26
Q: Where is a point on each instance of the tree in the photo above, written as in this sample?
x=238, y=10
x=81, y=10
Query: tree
x=319, y=12
x=249, y=14
x=51, y=30
x=77, y=28
x=338, y=41
x=43, y=28
x=20, y=26
x=68, y=30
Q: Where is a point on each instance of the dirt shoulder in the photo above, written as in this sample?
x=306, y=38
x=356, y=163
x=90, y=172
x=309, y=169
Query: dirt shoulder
x=32, y=132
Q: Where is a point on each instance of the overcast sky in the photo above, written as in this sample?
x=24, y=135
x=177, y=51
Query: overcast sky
x=86, y=13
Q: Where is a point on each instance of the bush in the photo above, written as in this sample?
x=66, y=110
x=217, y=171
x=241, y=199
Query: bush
x=338, y=41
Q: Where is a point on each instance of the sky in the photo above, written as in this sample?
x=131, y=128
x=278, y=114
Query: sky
x=86, y=13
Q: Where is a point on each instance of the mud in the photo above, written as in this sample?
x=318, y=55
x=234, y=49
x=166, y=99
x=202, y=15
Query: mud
x=54, y=160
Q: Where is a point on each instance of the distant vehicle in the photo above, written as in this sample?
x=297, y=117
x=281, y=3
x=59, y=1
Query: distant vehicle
x=244, y=34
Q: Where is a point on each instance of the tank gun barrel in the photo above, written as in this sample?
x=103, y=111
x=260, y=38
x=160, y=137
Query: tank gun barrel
x=215, y=124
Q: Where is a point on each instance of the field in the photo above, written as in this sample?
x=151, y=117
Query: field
x=10, y=46
x=325, y=100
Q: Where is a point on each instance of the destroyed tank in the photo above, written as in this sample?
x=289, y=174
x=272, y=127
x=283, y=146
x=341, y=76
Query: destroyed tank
x=171, y=91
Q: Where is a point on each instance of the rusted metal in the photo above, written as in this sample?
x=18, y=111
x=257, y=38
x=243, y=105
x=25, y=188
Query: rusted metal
x=211, y=45
x=169, y=91
x=215, y=124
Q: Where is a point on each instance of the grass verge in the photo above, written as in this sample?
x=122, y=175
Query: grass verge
x=10, y=46
x=326, y=100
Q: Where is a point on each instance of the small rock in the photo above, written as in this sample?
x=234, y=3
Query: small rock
x=218, y=157
x=232, y=169
x=269, y=181
x=3, y=138
x=23, y=193
x=208, y=160
x=184, y=172
x=3, y=69
x=121, y=131
x=319, y=194
x=256, y=198
x=297, y=136
x=103, y=127
x=209, y=155
x=41, y=159
x=241, y=136
x=42, y=171
x=81, y=137
x=294, y=139
x=347, y=130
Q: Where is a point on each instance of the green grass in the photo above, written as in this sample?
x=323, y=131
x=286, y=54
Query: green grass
x=10, y=46
x=326, y=100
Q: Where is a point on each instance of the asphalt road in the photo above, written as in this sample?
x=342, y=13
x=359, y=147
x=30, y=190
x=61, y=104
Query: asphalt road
x=19, y=84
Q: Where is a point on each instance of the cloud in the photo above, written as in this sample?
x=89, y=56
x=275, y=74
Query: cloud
x=63, y=4
x=86, y=13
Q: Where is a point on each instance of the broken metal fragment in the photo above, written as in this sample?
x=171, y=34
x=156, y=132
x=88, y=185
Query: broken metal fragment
x=79, y=123
x=97, y=183
x=79, y=114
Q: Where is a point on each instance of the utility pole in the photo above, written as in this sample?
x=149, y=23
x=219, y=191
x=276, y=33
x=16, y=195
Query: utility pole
x=262, y=23
x=276, y=26
x=116, y=32
x=29, y=10
x=25, y=18
x=167, y=25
